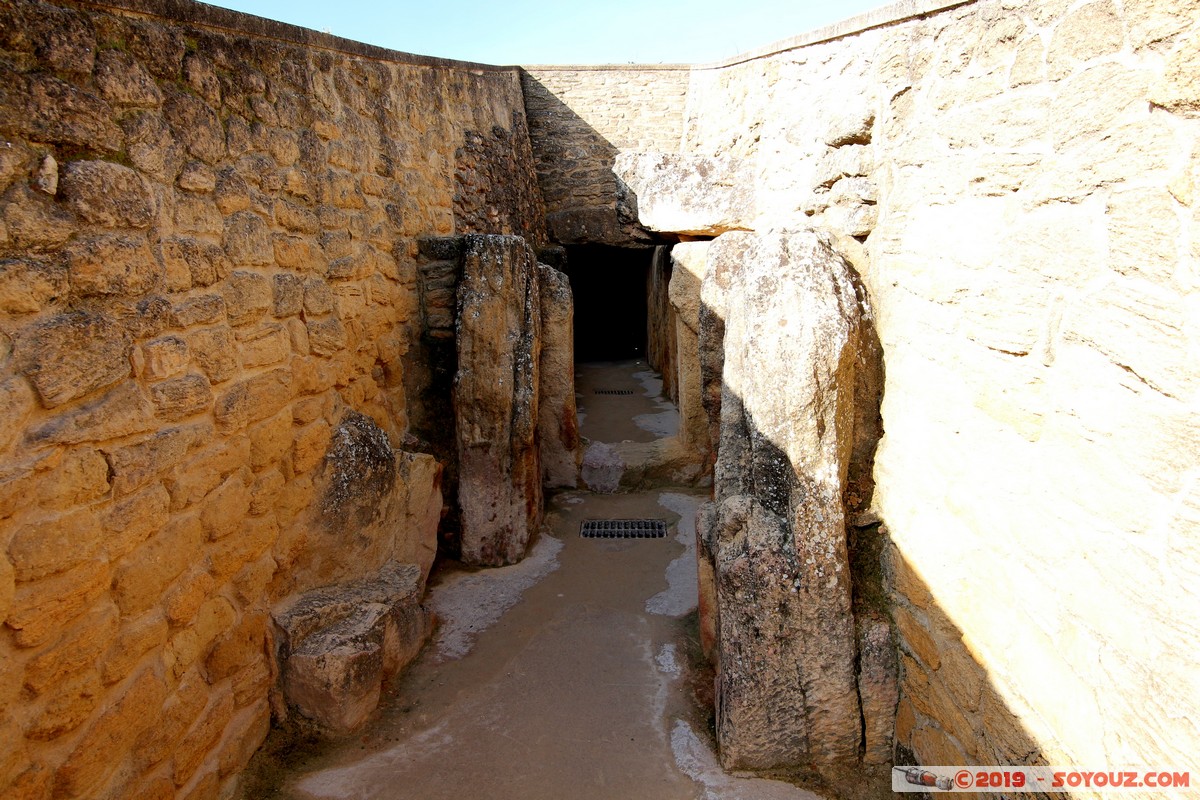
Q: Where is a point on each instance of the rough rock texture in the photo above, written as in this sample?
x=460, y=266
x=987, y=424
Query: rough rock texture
x=496, y=393
x=602, y=468
x=209, y=232
x=337, y=644
x=579, y=120
x=694, y=195
x=661, y=341
x=787, y=688
x=689, y=261
x=558, y=424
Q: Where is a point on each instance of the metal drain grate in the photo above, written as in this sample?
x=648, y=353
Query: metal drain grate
x=614, y=391
x=623, y=529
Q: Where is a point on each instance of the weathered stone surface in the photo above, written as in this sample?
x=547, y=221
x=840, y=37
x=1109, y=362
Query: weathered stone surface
x=73, y=355
x=108, y=194
x=122, y=81
x=602, y=468
x=786, y=683
x=689, y=194
x=119, y=412
x=27, y=285
x=203, y=263
x=338, y=643
x=334, y=677
x=61, y=113
x=687, y=275
x=558, y=426
x=496, y=399
x=112, y=265
x=247, y=240
x=182, y=397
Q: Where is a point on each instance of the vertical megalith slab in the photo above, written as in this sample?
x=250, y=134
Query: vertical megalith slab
x=787, y=683
x=558, y=425
x=496, y=399
x=688, y=261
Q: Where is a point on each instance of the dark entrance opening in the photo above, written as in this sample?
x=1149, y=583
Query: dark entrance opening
x=609, y=285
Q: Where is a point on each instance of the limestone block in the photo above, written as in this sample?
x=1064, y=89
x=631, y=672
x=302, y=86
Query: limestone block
x=165, y=357
x=287, y=295
x=32, y=220
x=136, y=518
x=214, y=350
x=195, y=125
x=247, y=240
x=205, y=263
x=416, y=533
x=334, y=678
x=1179, y=88
x=60, y=113
x=76, y=698
x=878, y=686
x=602, y=468
x=72, y=355
x=178, y=398
x=27, y=286
x=1091, y=31
x=326, y=336
x=103, y=745
x=41, y=609
x=112, y=264
x=787, y=686
x=338, y=643
x=201, y=738
x=108, y=194
x=124, y=82
x=496, y=399
x=141, y=577
x=687, y=276
x=689, y=194
x=263, y=345
x=197, y=177
x=199, y=310
x=122, y=411
x=558, y=426
x=54, y=544
x=74, y=653
x=134, y=465
x=253, y=399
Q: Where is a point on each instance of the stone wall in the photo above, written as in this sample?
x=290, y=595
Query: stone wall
x=1016, y=184
x=208, y=304
x=580, y=119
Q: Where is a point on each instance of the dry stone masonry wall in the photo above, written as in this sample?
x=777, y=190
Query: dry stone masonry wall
x=580, y=119
x=209, y=322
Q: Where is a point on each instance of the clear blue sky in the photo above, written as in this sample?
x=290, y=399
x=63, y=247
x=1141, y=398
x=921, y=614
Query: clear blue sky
x=562, y=31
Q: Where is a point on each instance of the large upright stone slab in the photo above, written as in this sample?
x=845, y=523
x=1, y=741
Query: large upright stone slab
x=499, y=336
x=698, y=195
x=687, y=275
x=788, y=695
x=558, y=424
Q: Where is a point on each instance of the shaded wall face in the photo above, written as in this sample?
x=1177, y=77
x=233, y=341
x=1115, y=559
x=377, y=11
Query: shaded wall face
x=208, y=260
x=1032, y=271
x=579, y=120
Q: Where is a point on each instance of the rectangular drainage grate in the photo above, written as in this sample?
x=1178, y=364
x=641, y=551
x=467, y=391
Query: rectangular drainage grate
x=614, y=391
x=623, y=529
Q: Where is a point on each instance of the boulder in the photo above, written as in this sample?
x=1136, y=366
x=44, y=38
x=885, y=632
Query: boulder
x=337, y=644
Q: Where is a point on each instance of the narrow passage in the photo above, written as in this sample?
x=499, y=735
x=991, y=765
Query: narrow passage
x=574, y=675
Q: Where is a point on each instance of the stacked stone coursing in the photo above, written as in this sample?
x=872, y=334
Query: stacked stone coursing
x=208, y=316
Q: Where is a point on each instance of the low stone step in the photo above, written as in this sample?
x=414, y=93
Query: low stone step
x=336, y=645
